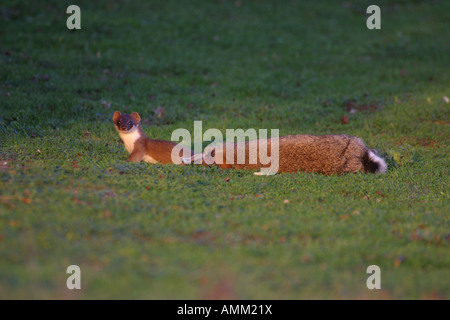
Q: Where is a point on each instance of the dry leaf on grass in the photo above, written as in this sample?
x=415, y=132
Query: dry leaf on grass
x=159, y=112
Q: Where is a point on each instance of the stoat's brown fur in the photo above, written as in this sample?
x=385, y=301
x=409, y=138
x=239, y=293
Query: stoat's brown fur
x=139, y=146
x=328, y=154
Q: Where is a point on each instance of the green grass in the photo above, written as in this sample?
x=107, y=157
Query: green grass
x=152, y=231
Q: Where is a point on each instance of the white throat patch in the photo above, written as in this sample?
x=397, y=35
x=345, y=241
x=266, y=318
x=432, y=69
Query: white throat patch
x=129, y=138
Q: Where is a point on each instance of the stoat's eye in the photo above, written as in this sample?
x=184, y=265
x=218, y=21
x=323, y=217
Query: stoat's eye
x=118, y=123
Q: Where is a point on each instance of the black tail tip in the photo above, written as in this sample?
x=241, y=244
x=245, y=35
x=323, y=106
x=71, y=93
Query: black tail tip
x=373, y=163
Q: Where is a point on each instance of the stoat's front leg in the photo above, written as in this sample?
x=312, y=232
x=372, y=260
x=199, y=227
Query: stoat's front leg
x=136, y=156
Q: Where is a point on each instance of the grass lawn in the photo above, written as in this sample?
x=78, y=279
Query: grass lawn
x=67, y=197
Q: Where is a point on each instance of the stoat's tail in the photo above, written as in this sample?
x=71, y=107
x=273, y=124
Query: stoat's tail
x=373, y=163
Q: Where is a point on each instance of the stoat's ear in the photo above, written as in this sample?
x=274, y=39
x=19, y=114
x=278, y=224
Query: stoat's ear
x=136, y=117
x=116, y=116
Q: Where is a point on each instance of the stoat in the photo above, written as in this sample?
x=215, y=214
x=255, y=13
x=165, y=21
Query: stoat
x=328, y=154
x=142, y=148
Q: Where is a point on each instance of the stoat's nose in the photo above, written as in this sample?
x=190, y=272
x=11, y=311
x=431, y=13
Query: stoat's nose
x=123, y=128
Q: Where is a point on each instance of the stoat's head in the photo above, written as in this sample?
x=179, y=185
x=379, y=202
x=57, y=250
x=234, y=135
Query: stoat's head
x=126, y=123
